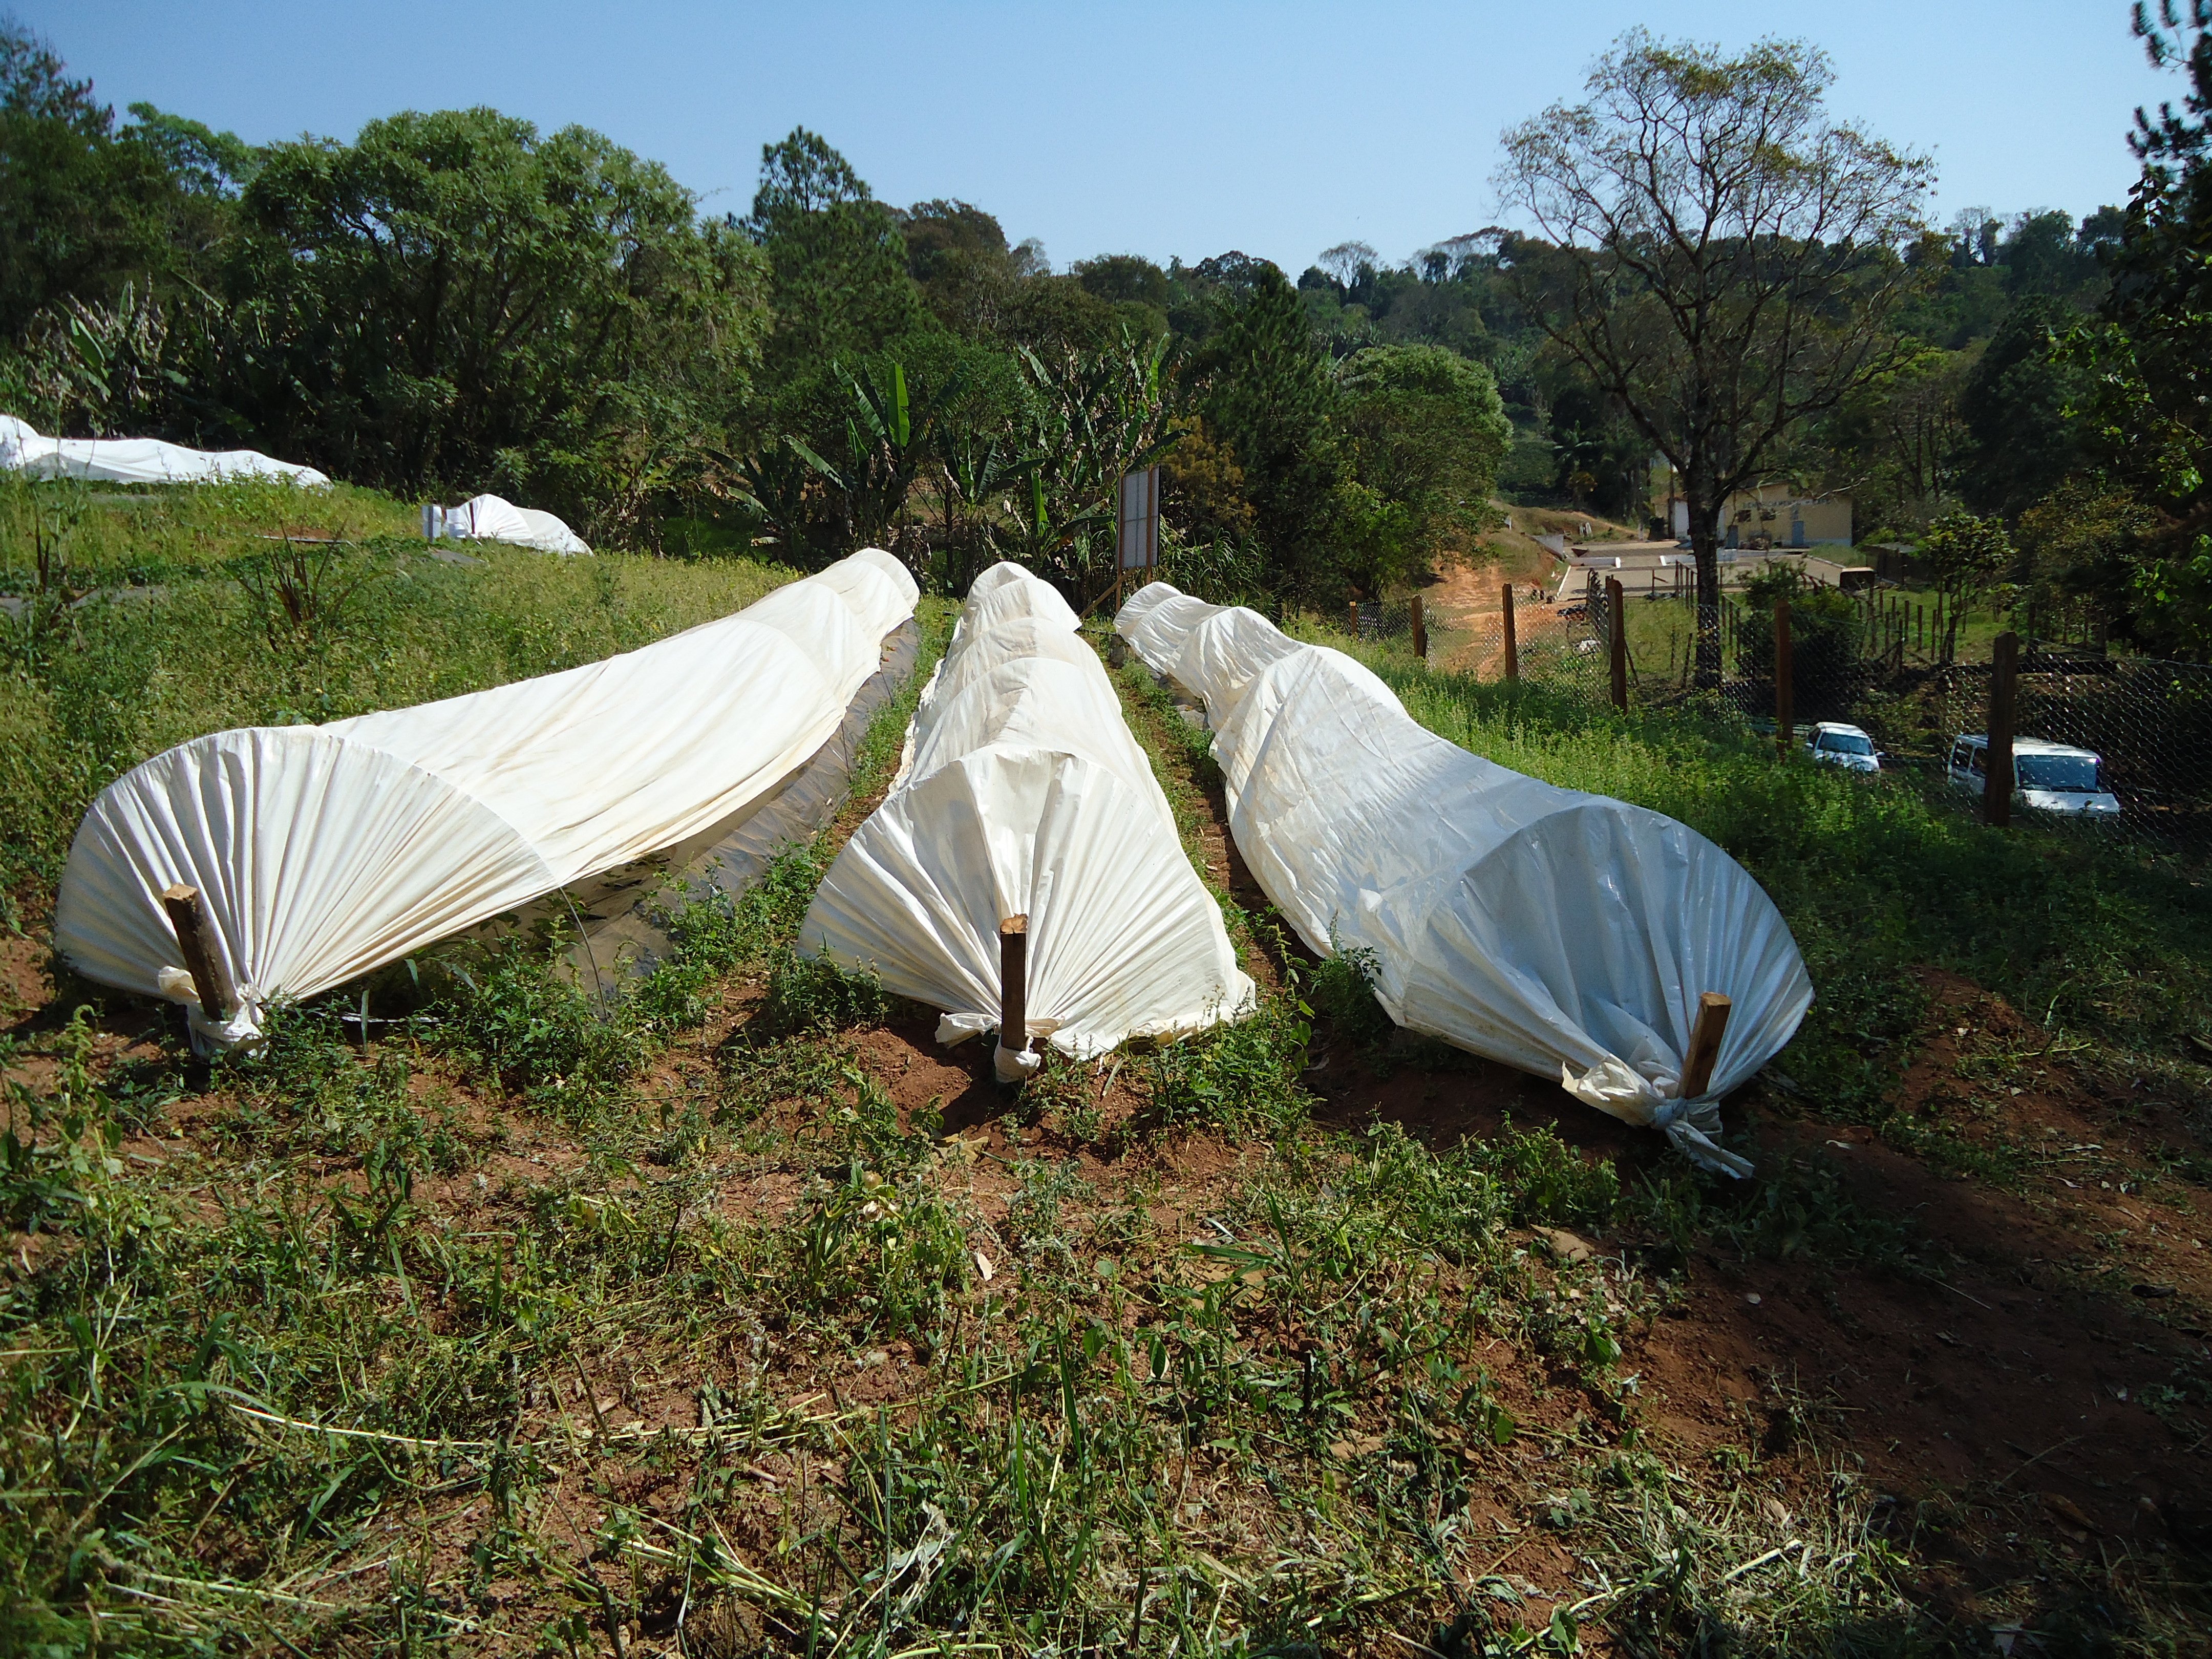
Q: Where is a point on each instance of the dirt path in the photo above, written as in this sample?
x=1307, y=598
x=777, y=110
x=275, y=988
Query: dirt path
x=1470, y=602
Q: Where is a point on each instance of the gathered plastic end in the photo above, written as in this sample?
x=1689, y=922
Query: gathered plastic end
x=1692, y=1127
x=210, y=1037
x=953, y=1030
x=1012, y=1065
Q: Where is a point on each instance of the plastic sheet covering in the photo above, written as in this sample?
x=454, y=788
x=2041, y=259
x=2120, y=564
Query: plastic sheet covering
x=1024, y=793
x=324, y=851
x=136, y=460
x=626, y=911
x=1565, y=933
x=491, y=519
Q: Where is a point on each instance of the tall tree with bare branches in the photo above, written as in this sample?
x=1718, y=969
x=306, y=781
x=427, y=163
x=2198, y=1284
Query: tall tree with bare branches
x=1719, y=256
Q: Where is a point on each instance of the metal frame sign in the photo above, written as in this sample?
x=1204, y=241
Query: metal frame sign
x=1139, y=521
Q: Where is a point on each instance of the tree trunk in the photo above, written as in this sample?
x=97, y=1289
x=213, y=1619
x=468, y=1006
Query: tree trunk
x=1704, y=547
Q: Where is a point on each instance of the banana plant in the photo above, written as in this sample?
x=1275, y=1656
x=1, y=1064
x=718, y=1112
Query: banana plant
x=776, y=482
x=889, y=437
x=976, y=469
x=1095, y=417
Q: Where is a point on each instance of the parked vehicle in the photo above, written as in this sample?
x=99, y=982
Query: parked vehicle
x=2047, y=777
x=1834, y=743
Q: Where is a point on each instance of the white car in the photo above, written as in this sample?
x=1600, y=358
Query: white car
x=1834, y=743
x=2048, y=777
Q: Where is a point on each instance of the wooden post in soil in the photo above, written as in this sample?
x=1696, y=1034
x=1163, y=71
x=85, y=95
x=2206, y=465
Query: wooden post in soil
x=1616, y=617
x=1785, y=679
x=211, y=986
x=1355, y=618
x=1512, y=646
x=1705, y=1036
x=1014, y=984
x=1420, y=628
x=1997, y=781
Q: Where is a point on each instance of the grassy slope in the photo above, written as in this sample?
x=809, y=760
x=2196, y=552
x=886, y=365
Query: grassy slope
x=186, y=630
x=675, y=1327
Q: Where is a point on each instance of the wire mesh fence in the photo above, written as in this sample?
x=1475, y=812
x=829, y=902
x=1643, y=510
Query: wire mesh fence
x=1560, y=646
x=2109, y=745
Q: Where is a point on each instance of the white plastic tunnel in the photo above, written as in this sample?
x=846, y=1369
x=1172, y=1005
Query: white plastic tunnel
x=1023, y=793
x=322, y=852
x=1565, y=933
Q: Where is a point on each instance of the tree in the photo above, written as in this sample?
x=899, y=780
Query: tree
x=2015, y=404
x=1898, y=441
x=1268, y=393
x=1345, y=263
x=1825, y=625
x=2150, y=406
x=958, y=256
x=1965, y=556
x=455, y=299
x=1723, y=261
x=838, y=286
x=83, y=209
x=203, y=161
x=2074, y=545
x=1124, y=279
x=1425, y=433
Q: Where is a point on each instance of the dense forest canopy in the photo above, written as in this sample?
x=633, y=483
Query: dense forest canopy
x=454, y=300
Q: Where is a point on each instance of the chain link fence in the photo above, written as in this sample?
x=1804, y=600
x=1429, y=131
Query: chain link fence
x=1562, y=647
x=1895, y=667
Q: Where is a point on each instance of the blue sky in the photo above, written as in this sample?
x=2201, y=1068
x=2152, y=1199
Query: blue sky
x=1156, y=129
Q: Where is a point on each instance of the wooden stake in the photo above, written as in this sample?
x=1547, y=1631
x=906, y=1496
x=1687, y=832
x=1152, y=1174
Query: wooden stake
x=1705, y=1036
x=1785, y=679
x=1616, y=616
x=1355, y=618
x=1997, y=781
x=1512, y=644
x=1421, y=628
x=210, y=984
x=1014, y=983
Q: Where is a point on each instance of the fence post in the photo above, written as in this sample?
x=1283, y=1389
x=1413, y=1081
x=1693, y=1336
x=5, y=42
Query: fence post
x=1512, y=644
x=1420, y=628
x=1785, y=680
x=1355, y=619
x=1616, y=617
x=1997, y=782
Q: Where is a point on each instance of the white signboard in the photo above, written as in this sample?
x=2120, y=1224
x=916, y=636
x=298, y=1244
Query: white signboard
x=1140, y=519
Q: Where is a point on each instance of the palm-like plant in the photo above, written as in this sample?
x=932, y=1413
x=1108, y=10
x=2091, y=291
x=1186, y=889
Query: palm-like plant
x=889, y=436
x=1094, y=417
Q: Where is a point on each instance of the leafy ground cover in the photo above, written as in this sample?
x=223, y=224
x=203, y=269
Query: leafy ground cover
x=750, y=1320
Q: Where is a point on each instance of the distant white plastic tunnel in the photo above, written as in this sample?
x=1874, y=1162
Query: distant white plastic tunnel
x=1565, y=933
x=321, y=853
x=1024, y=794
